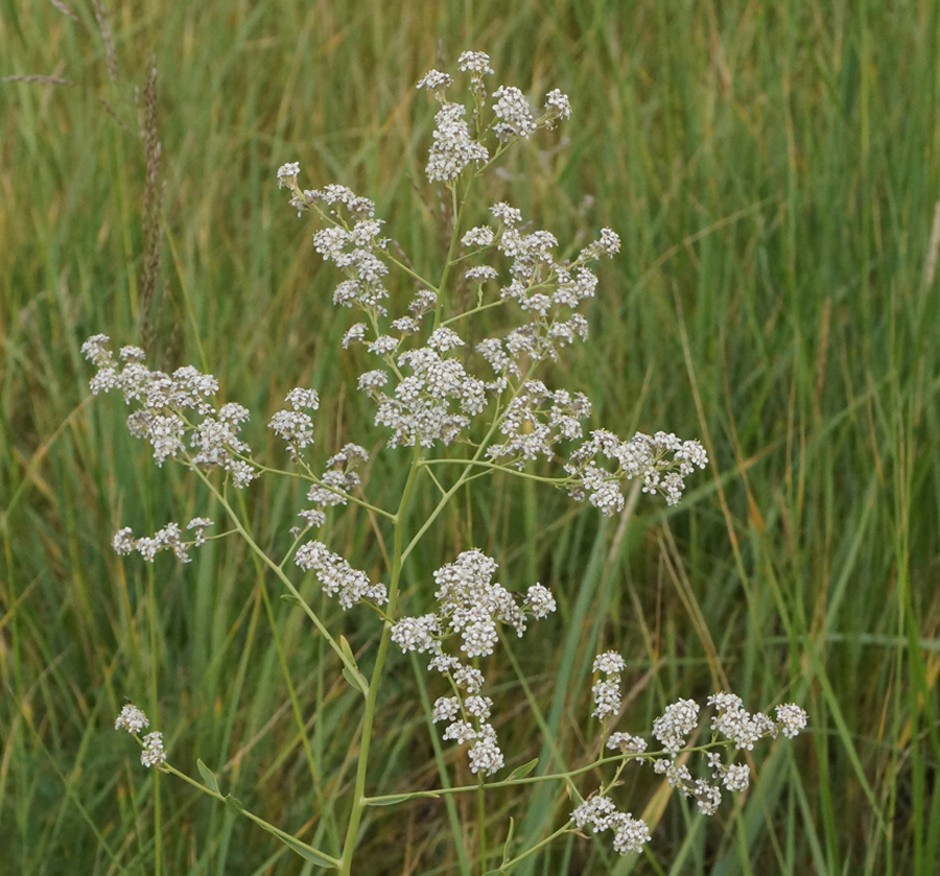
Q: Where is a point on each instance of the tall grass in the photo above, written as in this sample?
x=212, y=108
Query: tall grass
x=773, y=170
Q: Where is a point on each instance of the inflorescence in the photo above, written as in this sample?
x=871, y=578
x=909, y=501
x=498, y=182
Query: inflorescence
x=732, y=726
x=432, y=381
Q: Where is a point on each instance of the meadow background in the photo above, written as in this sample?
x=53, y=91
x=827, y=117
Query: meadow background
x=773, y=170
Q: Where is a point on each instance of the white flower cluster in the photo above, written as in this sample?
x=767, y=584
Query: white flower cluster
x=295, y=426
x=328, y=196
x=164, y=400
x=168, y=538
x=599, y=813
x=673, y=730
x=153, y=753
x=428, y=395
x=536, y=420
x=455, y=147
x=606, y=691
x=470, y=605
x=133, y=720
x=335, y=484
x=435, y=398
x=730, y=720
x=546, y=290
x=663, y=461
x=337, y=576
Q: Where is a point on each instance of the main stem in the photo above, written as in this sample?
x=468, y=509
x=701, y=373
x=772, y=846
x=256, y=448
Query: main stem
x=359, y=794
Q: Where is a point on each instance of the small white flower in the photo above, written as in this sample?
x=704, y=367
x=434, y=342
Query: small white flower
x=631, y=834
x=460, y=732
x=480, y=236
x=626, y=743
x=445, y=709
x=539, y=601
x=153, y=753
x=123, y=541
x=479, y=707
x=513, y=110
x=287, y=174
x=354, y=335
x=792, y=719
x=474, y=63
x=610, y=663
x=485, y=755
x=434, y=80
x=557, y=105
x=131, y=719
x=200, y=524
x=444, y=339
x=675, y=724
x=606, y=696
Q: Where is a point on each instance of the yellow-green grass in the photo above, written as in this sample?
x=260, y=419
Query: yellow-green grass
x=773, y=170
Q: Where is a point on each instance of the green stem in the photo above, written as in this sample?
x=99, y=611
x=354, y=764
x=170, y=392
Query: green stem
x=565, y=828
x=532, y=780
x=479, y=463
x=359, y=797
x=481, y=824
x=290, y=840
x=278, y=571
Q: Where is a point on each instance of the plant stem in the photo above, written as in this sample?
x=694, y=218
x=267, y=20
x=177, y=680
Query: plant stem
x=359, y=798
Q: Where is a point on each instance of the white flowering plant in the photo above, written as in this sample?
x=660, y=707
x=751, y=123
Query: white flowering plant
x=465, y=407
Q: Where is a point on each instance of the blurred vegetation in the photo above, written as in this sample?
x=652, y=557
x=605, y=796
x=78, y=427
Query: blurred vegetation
x=773, y=170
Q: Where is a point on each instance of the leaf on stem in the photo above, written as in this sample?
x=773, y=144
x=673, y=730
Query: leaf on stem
x=207, y=776
x=401, y=798
x=524, y=770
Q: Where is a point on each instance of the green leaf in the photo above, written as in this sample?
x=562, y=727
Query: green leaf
x=207, y=776
x=294, y=844
x=356, y=680
x=524, y=770
x=234, y=804
x=507, y=846
x=293, y=600
x=307, y=852
x=401, y=798
x=351, y=669
x=346, y=648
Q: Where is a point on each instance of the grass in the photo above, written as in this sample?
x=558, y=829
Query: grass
x=773, y=171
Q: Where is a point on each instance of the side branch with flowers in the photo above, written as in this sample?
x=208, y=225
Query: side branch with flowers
x=436, y=384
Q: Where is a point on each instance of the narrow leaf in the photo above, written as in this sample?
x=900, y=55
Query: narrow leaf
x=401, y=798
x=207, y=776
x=524, y=770
x=234, y=804
x=507, y=846
x=356, y=680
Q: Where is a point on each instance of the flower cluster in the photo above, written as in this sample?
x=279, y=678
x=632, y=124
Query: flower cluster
x=133, y=720
x=336, y=576
x=673, y=730
x=730, y=720
x=295, y=426
x=598, y=813
x=606, y=692
x=470, y=605
x=536, y=420
x=435, y=397
x=335, y=484
x=642, y=456
x=162, y=418
x=455, y=147
x=153, y=753
x=168, y=538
